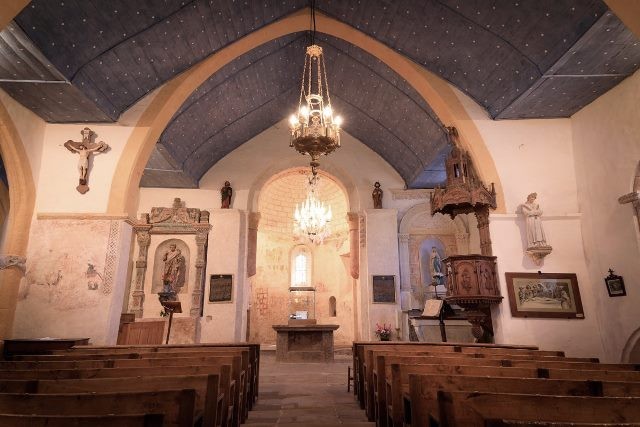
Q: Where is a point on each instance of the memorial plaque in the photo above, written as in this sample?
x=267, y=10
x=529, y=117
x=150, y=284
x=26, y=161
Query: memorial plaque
x=384, y=289
x=220, y=288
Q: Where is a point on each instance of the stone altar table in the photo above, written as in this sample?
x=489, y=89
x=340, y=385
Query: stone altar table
x=304, y=343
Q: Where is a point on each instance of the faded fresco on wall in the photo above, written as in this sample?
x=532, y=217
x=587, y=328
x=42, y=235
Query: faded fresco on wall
x=270, y=290
x=171, y=262
x=73, y=266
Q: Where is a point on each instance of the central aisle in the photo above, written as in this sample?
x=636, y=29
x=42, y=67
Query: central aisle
x=306, y=394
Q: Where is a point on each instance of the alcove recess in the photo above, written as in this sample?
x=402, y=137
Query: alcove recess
x=472, y=280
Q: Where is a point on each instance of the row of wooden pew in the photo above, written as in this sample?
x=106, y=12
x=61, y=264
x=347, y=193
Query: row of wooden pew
x=169, y=385
x=441, y=384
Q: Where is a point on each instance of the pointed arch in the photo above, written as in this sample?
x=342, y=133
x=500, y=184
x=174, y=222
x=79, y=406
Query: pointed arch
x=21, y=204
x=436, y=92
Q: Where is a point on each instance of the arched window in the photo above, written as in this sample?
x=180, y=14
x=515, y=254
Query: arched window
x=332, y=307
x=301, y=266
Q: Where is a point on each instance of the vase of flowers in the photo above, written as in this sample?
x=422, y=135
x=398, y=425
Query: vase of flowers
x=383, y=332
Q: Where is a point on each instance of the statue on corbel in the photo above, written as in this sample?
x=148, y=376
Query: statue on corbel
x=84, y=149
x=537, y=247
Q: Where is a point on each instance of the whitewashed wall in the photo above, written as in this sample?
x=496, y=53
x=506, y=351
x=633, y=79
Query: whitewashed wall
x=606, y=142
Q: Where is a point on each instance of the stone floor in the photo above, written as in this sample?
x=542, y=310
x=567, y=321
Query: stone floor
x=306, y=394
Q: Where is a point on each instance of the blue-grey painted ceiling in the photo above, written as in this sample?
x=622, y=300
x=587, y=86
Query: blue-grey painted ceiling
x=90, y=60
x=234, y=105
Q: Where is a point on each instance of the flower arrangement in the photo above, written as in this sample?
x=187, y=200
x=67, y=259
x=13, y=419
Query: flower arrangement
x=383, y=332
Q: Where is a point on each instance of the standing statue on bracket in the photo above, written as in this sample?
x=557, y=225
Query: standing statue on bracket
x=377, y=196
x=436, y=267
x=173, y=274
x=225, y=193
x=537, y=246
x=84, y=150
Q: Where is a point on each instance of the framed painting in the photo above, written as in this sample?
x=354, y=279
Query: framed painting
x=615, y=285
x=220, y=288
x=384, y=289
x=545, y=295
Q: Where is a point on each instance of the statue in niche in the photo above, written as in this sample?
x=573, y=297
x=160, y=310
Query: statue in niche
x=84, y=150
x=436, y=267
x=173, y=274
x=377, y=196
x=532, y=212
x=225, y=193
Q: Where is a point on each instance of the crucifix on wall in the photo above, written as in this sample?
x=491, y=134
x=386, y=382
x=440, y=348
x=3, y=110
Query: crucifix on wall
x=84, y=149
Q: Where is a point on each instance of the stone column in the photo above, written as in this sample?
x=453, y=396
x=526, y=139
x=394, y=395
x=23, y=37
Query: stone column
x=252, y=242
x=202, y=234
x=353, y=220
x=136, y=303
x=406, y=300
x=482, y=216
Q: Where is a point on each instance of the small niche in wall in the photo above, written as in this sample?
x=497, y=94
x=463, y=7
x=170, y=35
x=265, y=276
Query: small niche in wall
x=332, y=307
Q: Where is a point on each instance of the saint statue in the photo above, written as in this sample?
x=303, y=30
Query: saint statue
x=377, y=196
x=532, y=212
x=84, y=150
x=436, y=267
x=225, y=193
x=173, y=273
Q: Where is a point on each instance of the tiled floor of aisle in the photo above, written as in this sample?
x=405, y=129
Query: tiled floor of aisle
x=306, y=394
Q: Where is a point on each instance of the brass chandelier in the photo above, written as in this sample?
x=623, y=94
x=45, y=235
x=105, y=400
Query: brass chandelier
x=314, y=129
x=314, y=132
x=311, y=217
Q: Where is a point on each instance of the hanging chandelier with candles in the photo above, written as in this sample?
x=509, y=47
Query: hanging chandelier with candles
x=314, y=132
x=314, y=129
x=311, y=217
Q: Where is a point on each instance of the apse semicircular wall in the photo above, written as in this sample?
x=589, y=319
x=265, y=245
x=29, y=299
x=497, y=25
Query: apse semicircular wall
x=270, y=296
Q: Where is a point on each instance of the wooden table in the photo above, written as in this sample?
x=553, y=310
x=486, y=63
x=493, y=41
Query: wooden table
x=304, y=343
x=39, y=345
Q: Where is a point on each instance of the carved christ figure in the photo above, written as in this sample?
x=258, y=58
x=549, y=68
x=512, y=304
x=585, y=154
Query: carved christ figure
x=84, y=150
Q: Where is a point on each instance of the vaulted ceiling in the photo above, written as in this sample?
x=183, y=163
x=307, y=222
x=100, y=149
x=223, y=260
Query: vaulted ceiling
x=90, y=60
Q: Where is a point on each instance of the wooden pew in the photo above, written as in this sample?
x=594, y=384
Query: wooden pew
x=250, y=359
x=515, y=373
x=238, y=399
x=209, y=402
x=177, y=406
x=227, y=386
x=143, y=420
x=358, y=356
x=374, y=368
x=383, y=384
x=254, y=353
x=425, y=387
x=473, y=409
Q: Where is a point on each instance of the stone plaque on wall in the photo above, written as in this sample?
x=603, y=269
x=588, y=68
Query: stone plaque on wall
x=384, y=289
x=220, y=288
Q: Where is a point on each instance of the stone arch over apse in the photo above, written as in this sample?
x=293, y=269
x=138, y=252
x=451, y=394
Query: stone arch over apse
x=271, y=300
x=436, y=92
x=21, y=204
x=416, y=227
